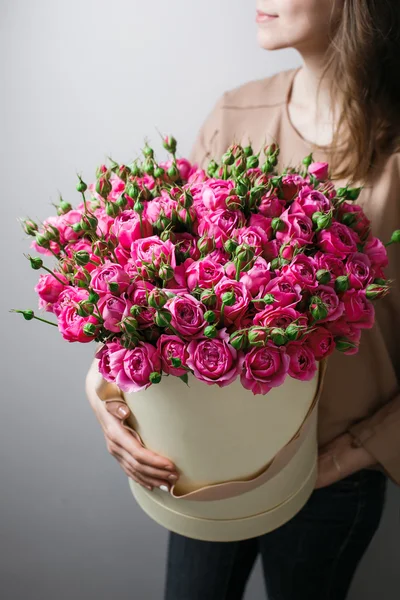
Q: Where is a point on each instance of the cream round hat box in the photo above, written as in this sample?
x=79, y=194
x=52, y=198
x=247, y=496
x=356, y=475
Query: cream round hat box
x=247, y=463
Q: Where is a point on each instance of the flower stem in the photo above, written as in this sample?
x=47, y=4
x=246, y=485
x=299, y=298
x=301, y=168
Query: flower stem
x=54, y=275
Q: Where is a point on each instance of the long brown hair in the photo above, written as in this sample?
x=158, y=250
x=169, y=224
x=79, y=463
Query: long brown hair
x=363, y=61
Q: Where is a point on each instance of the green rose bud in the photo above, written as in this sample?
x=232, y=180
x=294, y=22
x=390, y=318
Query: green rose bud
x=30, y=227
x=257, y=337
x=77, y=227
x=292, y=332
x=395, y=239
x=36, y=262
x=103, y=187
x=93, y=297
x=42, y=241
x=252, y=162
x=342, y=283
x=138, y=207
x=323, y=276
x=275, y=263
x=343, y=344
x=89, y=329
x=349, y=219
x=230, y=246
x=28, y=314
x=129, y=325
x=315, y=216
x=318, y=309
x=148, y=167
x=121, y=201
x=239, y=341
x=173, y=172
x=158, y=172
x=208, y=298
x=308, y=160
x=267, y=167
x=113, y=286
x=147, y=151
x=176, y=362
x=155, y=377
x=157, y=298
x=165, y=272
x=241, y=188
x=162, y=318
x=374, y=291
x=210, y=331
x=206, y=244
x=81, y=186
x=228, y=158
x=210, y=317
x=135, y=310
x=170, y=144
x=278, y=336
x=277, y=224
x=228, y=298
x=82, y=257
x=269, y=299
x=85, y=308
x=132, y=190
x=212, y=168
x=324, y=222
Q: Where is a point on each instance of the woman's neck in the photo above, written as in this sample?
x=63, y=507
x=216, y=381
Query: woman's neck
x=310, y=105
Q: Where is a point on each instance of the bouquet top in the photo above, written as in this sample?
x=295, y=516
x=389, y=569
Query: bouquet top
x=236, y=271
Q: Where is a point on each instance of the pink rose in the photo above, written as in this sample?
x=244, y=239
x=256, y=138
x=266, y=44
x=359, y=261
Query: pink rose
x=301, y=270
x=69, y=295
x=70, y=324
x=171, y=346
x=138, y=295
x=126, y=227
x=264, y=368
x=256, y=278
x=312, y=201
x=186, y=245
x=253, y=236
x=271, y=206
x=331, y=263
x=187, y=315
x=291, y=185
x=362, y=225
x=338, y=240
x=358, y=309
x=109, y=273
x=113, y=309
x=214, y=361
x=319, y=170
x=358, y=270
x=65, y=223
x=281, y=316
x=221, y=224
x=153, y=251
x=302, y=361
x=86, y=246
x=321, y=342
x=104, y=353
x=215, y=193
x=163, y=205
x=241, y=299
x=49, y=288
x=134, y=367
x=298, y=226
x=377, y=254
x=204, y=273
x=284, y=291
x=332, y=302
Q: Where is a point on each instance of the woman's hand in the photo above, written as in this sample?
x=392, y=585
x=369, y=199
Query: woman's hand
x=339, y=458
x=140, y=464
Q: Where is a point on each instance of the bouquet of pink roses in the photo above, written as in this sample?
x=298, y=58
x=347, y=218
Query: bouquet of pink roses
x=236, y=272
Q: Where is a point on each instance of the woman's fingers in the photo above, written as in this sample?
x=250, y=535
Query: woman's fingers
x=118, y=408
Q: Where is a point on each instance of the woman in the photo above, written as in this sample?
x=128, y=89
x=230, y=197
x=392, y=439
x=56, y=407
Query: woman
x=342, y=105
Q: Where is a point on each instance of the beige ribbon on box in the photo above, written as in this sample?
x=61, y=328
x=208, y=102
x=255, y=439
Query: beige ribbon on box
x=229, y=489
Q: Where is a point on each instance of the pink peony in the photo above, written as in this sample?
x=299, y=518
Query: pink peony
x=264, y=368
x=214, y=361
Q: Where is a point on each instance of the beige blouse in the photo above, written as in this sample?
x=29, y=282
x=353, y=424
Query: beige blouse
x=361, y=393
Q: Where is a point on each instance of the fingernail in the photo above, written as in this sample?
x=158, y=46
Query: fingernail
x=122, y=411
x=168, y=467
x=164, y=488
x=172, y=476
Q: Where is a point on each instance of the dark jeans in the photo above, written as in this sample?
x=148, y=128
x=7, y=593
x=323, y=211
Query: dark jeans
x=312, y=557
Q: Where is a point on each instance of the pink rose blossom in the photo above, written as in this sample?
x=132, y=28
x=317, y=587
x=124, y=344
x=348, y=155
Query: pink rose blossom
x=302, y=361
x=362, y=225
x=281, y=316
x=70, y=324
x=321, y=342
x=332, y=302
x=319, y=170
x=154, y=251
x=204, y=273
x=221, y=224
x=358, y=309
x=298, y=226
x=135, y=366
x=242, y=298
x=109, y=273
x=214, y=361
x=312, y=201
x=338, y=240
x=126, y=227
x=358, y=270
x=187, y=315
x=301, y=270
x=171, y=346
x=215, y=193
x=377, y=254
x=264, y=368
x=49, y=288
x=113, y=309
x=284, y=291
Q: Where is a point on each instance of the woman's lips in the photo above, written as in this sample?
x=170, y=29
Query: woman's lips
x=262, y=17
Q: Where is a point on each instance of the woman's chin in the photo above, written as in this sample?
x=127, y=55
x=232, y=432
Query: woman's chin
x=269, y=42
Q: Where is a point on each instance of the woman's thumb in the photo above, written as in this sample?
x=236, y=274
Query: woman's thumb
x=117, y=408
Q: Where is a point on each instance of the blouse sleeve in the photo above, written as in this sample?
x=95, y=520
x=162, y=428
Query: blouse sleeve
x=380, y=435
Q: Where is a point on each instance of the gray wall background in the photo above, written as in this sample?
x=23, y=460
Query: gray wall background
x=81, y=79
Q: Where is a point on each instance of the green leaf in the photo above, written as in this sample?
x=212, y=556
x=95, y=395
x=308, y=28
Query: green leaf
x=185, y=378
